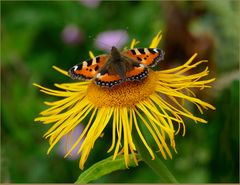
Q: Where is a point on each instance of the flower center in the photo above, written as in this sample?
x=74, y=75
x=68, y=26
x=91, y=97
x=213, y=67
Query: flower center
x=125, y=94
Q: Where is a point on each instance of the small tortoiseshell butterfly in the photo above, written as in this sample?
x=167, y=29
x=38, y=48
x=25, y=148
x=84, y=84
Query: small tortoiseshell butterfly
x=112, y=69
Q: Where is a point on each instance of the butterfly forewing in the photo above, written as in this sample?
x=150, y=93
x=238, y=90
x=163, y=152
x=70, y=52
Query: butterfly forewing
x=147, y=56
x=88, y=69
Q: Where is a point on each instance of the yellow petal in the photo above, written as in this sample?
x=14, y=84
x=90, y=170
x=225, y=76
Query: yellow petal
x=61, y=71
x=156, y=40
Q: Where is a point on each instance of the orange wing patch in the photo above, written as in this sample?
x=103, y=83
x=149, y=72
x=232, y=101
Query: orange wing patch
x=107, y=80
x=147, y=56
x=88, y=69
x=137, y=73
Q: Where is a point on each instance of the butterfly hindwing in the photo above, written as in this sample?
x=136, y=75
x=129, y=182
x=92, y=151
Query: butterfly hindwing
x=147, y=56
x=103, y=78
x=88, y=69
x=137, y=73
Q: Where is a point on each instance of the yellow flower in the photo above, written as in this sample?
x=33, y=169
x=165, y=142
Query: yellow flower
x=155, y=102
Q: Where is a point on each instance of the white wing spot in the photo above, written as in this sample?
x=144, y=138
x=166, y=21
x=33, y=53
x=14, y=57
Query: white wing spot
x=98, y=75
x=75, y=68
x=94, y=61
x=137, y=52
x=146, y=51
x=155, y=50
x=84, y=63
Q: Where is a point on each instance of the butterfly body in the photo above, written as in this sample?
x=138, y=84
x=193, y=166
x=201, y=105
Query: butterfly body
x=117, y=67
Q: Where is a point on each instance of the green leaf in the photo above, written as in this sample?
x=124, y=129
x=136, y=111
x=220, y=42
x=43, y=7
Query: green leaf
x=104, y=167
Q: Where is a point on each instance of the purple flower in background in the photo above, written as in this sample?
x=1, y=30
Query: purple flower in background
x=106, y=40
x=68, y=141
x=90, y=3
x=72, y=35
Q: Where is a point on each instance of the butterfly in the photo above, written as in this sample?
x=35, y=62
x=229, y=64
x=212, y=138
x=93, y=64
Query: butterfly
x=109, y=70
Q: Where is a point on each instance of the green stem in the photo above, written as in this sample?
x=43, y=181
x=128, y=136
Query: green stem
x=156, y=165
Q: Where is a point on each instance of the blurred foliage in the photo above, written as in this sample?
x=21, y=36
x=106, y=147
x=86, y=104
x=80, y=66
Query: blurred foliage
x=31, y=42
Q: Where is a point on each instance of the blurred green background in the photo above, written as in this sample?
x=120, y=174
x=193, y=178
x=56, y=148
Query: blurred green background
x=32, y=40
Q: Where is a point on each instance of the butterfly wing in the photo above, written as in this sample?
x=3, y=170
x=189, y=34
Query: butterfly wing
x=105, y=79
x=137, y=73
x=88, y=69
x=146, y=56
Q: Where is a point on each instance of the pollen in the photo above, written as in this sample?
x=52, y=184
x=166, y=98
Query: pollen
x=127, y=94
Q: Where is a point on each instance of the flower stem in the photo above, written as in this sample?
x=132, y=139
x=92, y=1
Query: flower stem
x=156, y=165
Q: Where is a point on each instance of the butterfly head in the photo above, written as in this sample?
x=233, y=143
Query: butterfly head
x=115, y=54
